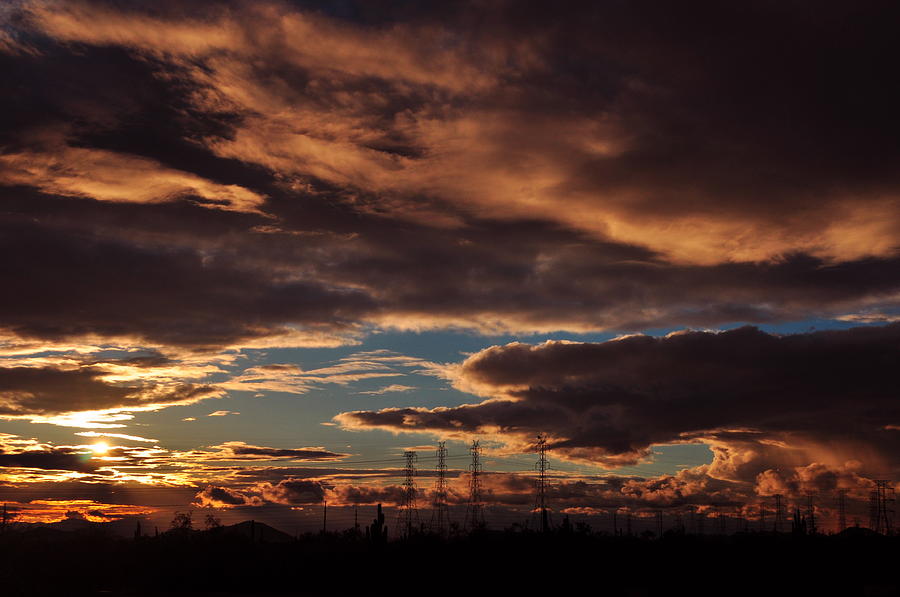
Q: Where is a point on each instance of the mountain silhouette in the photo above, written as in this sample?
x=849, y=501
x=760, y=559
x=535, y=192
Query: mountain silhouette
x=256, y=531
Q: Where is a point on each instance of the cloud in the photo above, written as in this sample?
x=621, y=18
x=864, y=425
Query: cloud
x=107, y=176
x=134, y=438
x=389, y=389
x=222, y=413
x=286, y=377
x=236, y=450
x=756, y=398
x=62, y=459
x=30, y=392
x=292, y=491
x=222, y=497
x=160, y=304
x=48, y=511
x=500, y=123
x=377, y=175
x=353, y=494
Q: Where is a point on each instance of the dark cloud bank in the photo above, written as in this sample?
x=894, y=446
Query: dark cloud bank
x=762, y=401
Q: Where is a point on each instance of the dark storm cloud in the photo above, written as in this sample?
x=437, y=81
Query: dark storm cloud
x=758, y=399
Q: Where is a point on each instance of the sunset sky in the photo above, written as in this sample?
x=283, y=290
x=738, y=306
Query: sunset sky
x=252, y=251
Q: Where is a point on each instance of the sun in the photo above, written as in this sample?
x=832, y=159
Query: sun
x=100, y=447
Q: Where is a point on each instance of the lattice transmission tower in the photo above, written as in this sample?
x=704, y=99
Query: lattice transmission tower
x=811, y=527
x=762, y=517
x=440, y=515
x=881, y=509
x=540, y=485
x=408, y=516
x=779, y=513
x=475, y=508
x=842, y=509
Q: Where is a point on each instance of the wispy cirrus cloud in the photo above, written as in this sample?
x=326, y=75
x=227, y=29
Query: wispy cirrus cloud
x=393, y=388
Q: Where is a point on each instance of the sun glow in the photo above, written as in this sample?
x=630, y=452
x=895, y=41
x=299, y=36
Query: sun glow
x=100, y=447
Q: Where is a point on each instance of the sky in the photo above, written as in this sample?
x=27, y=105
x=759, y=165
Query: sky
x=253, y=252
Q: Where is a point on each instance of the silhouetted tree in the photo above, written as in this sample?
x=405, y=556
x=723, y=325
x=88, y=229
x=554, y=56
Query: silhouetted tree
x=212, y=522
x=183, y=521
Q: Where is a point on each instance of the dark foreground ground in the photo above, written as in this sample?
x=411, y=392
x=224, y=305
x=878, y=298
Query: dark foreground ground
x=488, y=564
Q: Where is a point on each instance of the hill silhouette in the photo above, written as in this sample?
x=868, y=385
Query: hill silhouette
x=255, y=531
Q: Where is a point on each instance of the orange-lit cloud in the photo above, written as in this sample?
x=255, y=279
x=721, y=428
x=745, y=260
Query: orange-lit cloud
x=107, y=176
x=480, y=143
x=88, y=510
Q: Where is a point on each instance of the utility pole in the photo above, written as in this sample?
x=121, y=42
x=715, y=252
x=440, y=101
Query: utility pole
x=762, y=517
x=540, y=486
x=409, y=514
x=440, y=516
x=324, y=516
x=842, y=509
x=723, y=522
x=475, y=509
x=659, y=524
x=810, y=513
